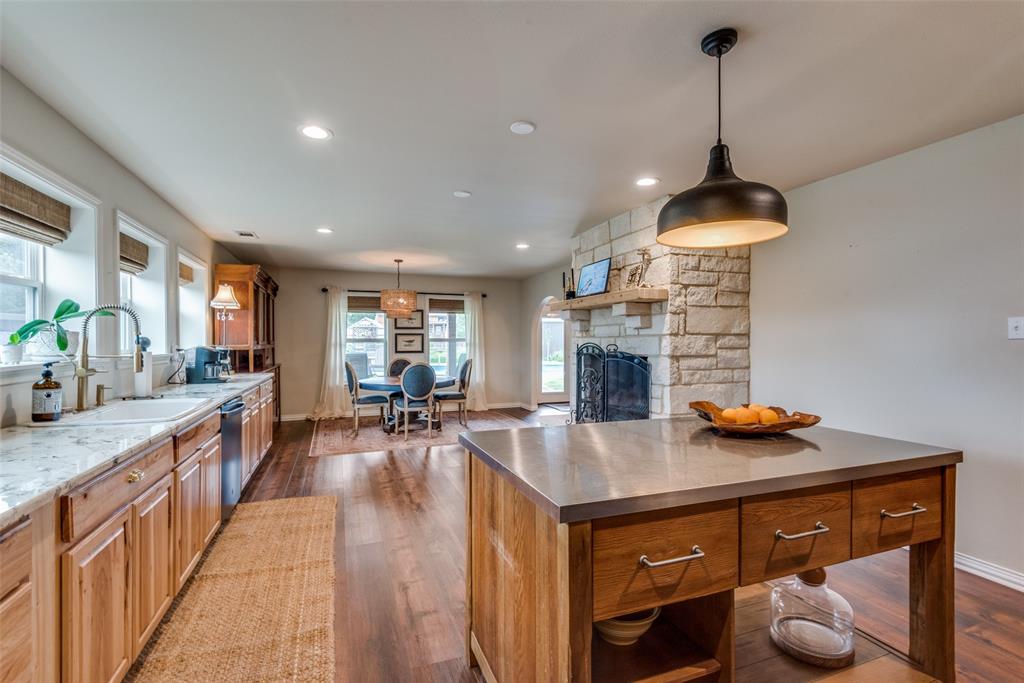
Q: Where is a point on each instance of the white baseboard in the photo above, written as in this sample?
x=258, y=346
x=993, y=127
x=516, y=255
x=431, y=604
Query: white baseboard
x=294, y=417
x=992, y=572
x=510, y=404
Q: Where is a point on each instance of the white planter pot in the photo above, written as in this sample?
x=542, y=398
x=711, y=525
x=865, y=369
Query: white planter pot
x=44, y=345
x=11, y=353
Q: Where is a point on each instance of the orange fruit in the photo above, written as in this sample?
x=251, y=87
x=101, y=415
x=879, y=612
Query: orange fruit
x=768, y=416
x=745, y=416
x=756, y=407
x=729, y=415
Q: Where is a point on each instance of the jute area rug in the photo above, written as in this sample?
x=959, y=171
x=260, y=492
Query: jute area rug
x=334, y=437
x=260, y=606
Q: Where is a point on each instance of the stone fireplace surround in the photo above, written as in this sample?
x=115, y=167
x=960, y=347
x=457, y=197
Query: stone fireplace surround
x=698, y=341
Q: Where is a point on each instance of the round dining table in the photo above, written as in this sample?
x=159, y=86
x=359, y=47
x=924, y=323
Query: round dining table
x=390, y=384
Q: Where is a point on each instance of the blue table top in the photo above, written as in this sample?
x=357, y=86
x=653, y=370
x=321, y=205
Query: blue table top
x=392, y=383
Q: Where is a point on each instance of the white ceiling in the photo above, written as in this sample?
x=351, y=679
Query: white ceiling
x=202, y=101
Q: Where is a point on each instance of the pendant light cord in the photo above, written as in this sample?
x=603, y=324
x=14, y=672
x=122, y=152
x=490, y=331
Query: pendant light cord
x=719, y=96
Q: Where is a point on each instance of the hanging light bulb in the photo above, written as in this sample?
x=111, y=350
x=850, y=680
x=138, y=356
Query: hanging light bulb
x=398, y=303
x=723, y=210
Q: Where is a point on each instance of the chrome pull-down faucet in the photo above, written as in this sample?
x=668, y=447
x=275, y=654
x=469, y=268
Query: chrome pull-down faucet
x=84, y=371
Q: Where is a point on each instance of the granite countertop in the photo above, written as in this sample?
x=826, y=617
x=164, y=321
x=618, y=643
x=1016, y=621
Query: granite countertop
x=588, y=471
x=37, y=463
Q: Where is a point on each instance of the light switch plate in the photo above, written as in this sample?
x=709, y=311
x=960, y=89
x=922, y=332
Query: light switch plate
x=1015, y=328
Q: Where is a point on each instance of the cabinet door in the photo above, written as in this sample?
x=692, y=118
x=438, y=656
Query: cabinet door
x=153, y=553
x=96, y=581
x=188, y=515
x=265, y=425
x=246, y=444
x=17, y=659
x=211, y=488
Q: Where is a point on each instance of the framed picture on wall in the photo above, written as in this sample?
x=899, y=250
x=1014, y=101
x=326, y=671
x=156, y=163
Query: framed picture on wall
x=413, y=322
x=408, y=343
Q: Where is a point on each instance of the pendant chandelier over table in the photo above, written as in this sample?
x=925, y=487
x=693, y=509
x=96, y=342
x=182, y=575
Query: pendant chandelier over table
x=398, y=303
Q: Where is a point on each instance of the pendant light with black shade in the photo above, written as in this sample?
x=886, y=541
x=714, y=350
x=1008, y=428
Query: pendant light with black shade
x=723, y=210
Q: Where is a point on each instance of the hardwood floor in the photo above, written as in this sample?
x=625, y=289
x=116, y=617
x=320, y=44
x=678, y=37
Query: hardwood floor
x=400, y=600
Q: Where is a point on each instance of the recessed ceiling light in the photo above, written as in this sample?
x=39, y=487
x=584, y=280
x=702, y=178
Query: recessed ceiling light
x=522, y=245
x=325, y=230
x=647, y=181
x=462, y=194
x=522, y=127
x=316, y=132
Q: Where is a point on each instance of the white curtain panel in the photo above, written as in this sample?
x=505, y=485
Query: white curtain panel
x=335, y=401
x=477, y=398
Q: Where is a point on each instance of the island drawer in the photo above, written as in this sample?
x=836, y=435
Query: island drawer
x=698, y=544
x=15, y=555
x=788, y=532
x=891, y=512
x=83, y=508
x=188, y=440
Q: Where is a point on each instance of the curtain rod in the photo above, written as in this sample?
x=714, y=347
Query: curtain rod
x=377, y=291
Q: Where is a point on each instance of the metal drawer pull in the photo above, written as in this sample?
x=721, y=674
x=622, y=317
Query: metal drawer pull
x=695, y=554
x=136, y=475
x=819, y=528
x=915, y=509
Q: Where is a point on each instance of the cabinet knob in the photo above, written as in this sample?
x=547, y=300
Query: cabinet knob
x=136, y=475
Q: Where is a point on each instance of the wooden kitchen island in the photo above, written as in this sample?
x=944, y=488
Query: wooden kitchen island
x=559, y=518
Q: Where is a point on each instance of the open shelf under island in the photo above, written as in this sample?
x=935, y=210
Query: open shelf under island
x=559, y=517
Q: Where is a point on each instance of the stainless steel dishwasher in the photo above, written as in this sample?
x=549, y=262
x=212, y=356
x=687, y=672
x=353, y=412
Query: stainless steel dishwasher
x=230, y=456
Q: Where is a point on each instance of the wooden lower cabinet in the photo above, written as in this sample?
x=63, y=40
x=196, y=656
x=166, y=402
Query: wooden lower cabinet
x=189, y=515
x=17, y=659
x=152, y=518
x=211, y=451
x=96, y=585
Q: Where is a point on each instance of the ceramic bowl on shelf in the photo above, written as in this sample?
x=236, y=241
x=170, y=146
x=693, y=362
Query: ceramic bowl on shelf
x=627, y=629
x=712, y=413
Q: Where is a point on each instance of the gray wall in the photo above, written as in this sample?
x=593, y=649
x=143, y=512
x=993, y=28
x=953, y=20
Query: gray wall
x=884, y=310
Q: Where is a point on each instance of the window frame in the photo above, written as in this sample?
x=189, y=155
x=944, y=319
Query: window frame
x=34, y=280
x=383, y=340
x=451, y=341
x=200, y=268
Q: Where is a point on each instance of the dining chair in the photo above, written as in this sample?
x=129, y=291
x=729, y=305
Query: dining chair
x=417, y=381
x=372, y=400
x=395, y=368
x=457, y=397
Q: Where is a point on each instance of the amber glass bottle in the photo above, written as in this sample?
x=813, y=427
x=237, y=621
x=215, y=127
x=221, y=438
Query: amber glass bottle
x=47, y=397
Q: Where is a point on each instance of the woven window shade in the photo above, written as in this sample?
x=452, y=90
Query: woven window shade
x=29, y=214
x=447, y=305
x=134, y=255
x=367, y=304
x=186, y=276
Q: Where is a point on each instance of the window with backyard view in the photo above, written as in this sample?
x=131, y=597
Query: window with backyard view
x=447, y=334
x=552, y=354
x=20, y=283
x=366, y=341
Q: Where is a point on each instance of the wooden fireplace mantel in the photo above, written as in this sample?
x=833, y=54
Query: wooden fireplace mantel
x=637, y=295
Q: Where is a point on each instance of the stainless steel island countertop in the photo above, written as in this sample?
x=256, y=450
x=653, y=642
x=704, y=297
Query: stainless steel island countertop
x=589, y=471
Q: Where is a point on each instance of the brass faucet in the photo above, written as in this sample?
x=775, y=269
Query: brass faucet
x=84, y=372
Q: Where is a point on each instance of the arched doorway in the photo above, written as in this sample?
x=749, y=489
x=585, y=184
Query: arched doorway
x=551, y=362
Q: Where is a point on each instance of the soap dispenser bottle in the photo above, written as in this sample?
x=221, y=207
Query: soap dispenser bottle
x=47, y=397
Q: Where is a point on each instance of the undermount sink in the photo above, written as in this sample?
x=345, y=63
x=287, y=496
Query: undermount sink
x=127, y=412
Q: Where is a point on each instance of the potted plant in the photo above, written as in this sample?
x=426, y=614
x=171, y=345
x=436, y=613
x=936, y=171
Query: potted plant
x=49, y=337
x=12, y=352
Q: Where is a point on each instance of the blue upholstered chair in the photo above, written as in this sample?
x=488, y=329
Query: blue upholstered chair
x=418, y=382
x=357, y=400
x=395, y=368
x=458, y=397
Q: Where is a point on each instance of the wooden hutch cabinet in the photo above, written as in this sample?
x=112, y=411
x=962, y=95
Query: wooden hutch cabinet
x=250, y=334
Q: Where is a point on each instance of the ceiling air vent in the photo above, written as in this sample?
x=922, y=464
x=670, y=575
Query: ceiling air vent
x=247, y=233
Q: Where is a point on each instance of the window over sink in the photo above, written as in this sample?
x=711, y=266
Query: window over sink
x=21, y=283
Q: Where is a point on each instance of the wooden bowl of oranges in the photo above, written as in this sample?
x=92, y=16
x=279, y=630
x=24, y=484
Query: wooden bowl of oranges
x=753, y=418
